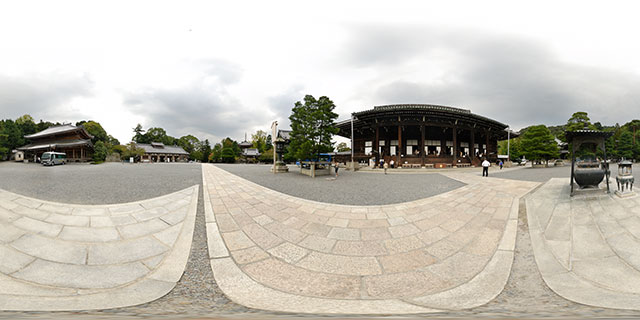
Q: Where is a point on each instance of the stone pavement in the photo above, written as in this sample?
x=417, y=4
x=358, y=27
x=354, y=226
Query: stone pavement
x=587, y=248
x=276, y=252
x=56, y=256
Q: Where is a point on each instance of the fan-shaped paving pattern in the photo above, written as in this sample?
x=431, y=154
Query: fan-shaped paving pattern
x=587, y=247
x=306, y=256
x=56, y=256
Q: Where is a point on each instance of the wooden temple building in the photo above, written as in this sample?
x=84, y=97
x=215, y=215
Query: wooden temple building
x=159, y=152
x=422, y=135
x=75, y=141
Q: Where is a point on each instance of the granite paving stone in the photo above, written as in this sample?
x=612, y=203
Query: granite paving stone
x=307, y=249
x=74, y=258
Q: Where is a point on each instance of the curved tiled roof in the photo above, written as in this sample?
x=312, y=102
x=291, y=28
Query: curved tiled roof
x=426, y=107
x=54, y=130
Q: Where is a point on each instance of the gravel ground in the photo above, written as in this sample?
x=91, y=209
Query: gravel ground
x=97, y=184
x=196, y=296
x=359, y=188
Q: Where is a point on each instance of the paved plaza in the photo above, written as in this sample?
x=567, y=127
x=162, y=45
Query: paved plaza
x=587, y=247
x=277, y=252
x=56, y=256
x=111, y=249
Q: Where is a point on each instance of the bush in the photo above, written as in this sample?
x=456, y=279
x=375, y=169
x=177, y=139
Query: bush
x=99, y=152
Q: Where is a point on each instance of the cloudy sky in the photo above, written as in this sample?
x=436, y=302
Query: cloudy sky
x=217, y=69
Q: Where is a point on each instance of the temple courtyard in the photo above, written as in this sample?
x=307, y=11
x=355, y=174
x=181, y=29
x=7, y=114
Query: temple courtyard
x=211, y=241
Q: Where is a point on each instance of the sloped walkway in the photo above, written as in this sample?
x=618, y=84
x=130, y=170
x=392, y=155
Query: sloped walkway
x=276, y=252
x=587, y=248
x=56, y=256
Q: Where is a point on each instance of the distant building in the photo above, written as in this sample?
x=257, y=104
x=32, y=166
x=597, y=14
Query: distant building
x=75, y=141
x=158, y=152
x=248, y=154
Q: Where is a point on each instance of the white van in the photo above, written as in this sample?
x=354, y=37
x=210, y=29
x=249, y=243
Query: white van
x=53, y=158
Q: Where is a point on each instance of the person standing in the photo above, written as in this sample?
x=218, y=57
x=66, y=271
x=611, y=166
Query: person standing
x=337, y=167
x=386, y=166
x=501, y=164
x=485, y=167
x=392, y=163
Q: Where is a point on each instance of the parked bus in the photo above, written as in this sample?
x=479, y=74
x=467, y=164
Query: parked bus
x=53, y=158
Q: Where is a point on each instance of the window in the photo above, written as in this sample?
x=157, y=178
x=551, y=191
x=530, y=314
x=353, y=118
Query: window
x=368, y=147
x=393, y=150
x=381, y=143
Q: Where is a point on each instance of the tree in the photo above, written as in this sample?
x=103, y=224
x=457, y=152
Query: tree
x=188, y=143
x=579, y=121
x=312, y=125
x=205, y=149
x=625, y=145
x=259, y=140
x=269, y=143
x=26, y=124
x=266, y=156
x=216, y=153
x=633, y=126
x=96, y=130
x=538, y=144
x=99, y=152
x=132, y=151
x=342, y=147
x=228, y=155
x=138, y=131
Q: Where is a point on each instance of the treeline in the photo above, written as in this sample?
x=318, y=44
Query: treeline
x=538, y=142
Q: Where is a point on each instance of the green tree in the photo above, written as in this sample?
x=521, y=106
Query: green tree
x=4, y=150
x=138, y=134
x=205, y=149
x=538, y=144
x=266, y=156
x=26, y=124
x=342, y=147
x=625, y=145
x=579, y=121
x=216, y=153
x=312, y=124
x=99, y=152
x=132, y=151
x=228, y=156
x=633, y=126
x=96, y=130
x=259, y=140
x=188, y=143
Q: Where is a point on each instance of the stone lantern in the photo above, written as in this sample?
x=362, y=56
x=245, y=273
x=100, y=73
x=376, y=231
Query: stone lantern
x=625, y=179
x=279, y=165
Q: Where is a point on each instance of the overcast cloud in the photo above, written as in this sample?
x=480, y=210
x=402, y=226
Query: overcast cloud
x=216, y=69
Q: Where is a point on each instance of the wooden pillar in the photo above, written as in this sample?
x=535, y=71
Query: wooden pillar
x=376, y=145
x=443, y=143
x=399, y=151
x=455, y=146
x=486, y=148
x=472, y=145
x=422, y=152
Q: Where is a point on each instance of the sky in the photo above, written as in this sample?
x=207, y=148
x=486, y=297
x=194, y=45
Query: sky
x=225, y=68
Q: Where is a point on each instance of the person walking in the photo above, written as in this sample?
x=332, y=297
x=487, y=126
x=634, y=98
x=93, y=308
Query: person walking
x=386, y=166
x=501, y=164
x=485, y=167
x=337, y=167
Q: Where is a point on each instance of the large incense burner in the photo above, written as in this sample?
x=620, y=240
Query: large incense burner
x=588, y=173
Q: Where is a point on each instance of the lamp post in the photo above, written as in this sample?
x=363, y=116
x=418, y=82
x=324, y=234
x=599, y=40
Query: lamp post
x=352, y=164
x=508, y=144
